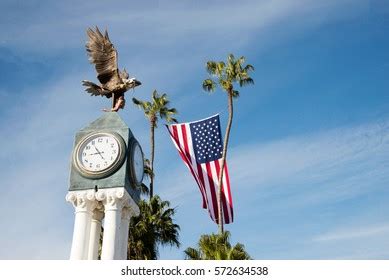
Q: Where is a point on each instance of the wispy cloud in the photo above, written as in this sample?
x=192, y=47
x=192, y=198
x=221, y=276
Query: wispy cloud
x=329, y=165
x=354, y=233
x=165, y=24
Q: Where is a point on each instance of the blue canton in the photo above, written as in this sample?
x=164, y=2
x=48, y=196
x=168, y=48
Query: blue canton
x=207, y=139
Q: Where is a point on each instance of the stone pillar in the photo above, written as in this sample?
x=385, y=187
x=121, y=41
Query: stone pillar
x=95, y=232
x=84, y=203
x=127, y=213
x=112, y=200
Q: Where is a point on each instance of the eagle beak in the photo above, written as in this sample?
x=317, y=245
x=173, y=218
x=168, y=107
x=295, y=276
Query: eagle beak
x=137, y=83
x=134, y=83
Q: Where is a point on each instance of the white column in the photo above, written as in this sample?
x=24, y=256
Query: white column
x=114, y=199
x=124, y=226
x=84, y=204
x=95, y=232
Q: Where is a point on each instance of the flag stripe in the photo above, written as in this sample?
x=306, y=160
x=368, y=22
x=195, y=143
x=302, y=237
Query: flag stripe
x=225, y=211
x=229, y=195
x=212, y=190
x=195, y=173
x=185, y=158
x=174, y=136
x=203, y=169
x=184, y=137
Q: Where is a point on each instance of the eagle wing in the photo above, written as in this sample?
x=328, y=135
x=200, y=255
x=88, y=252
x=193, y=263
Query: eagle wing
x=104, y=56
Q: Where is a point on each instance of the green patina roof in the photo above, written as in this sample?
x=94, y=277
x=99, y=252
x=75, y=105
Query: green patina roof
x=109, y=120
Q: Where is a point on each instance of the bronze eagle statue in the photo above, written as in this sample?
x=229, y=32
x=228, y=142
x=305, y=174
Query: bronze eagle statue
x=113, y=82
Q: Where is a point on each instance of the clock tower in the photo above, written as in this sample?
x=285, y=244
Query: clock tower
x=106, y=172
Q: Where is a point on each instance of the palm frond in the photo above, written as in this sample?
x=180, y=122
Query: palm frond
x=227, y=74
x=147, y=168
x=248, y=68
x=216, y=247
x=209, y=85
x=158, y=106
x=211, y=67
x=154, y=226
x=246, y=81
x=144, y=189
x=192, y=254
x=235, y=93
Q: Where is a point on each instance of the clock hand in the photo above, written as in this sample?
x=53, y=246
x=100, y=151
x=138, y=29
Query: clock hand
x=99, y=153
x=96, y=153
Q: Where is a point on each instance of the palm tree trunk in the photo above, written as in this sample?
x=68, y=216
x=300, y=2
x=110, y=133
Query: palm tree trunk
x=152, y=127
x=224, y=156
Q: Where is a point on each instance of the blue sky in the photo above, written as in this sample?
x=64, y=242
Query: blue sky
x=309, y=150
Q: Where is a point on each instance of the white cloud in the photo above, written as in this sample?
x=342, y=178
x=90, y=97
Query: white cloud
x=168, y=24
x=362, y=231
x=335, y=164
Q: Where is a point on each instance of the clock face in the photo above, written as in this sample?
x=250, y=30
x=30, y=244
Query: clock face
x=99, y=154
x=138, y=163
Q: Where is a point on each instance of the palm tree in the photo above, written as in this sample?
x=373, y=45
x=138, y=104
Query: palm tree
x=154, y=226
x=225, y=76
x=216, y=247
x=154, y=109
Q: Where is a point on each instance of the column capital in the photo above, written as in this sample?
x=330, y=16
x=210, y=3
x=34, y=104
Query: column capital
x=116, y=199
x=82, y=200
x=112, y=199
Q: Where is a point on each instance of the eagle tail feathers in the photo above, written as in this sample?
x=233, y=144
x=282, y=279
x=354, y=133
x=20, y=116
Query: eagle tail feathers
x=94, y=89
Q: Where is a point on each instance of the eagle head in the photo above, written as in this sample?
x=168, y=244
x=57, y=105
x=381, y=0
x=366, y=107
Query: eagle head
x=131, y=83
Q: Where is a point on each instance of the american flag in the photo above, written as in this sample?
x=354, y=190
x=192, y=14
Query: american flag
x=200, y=146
